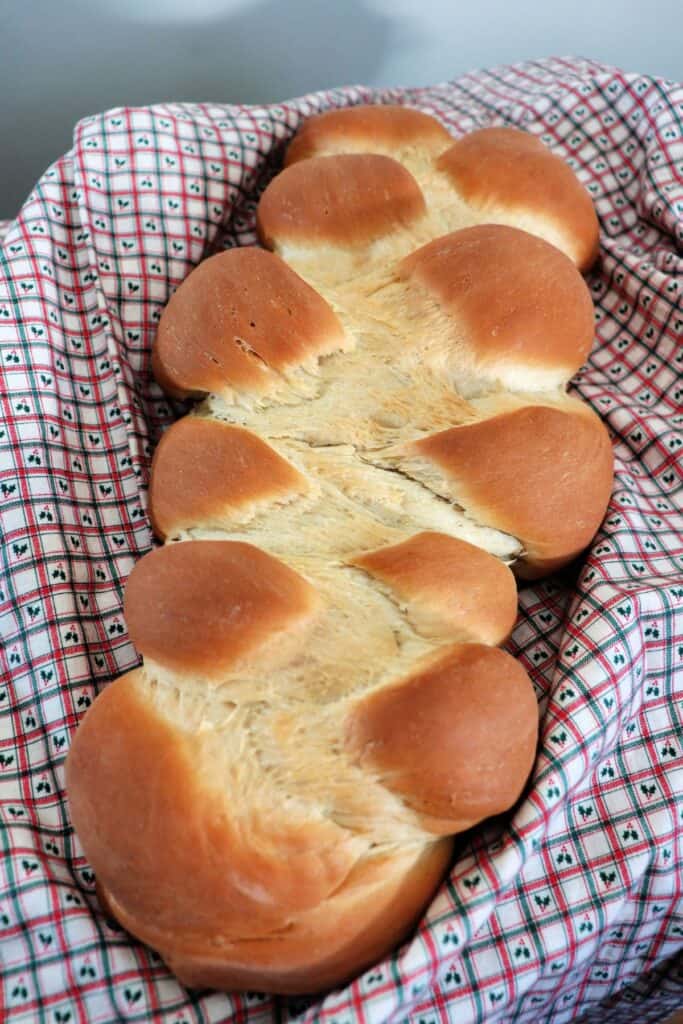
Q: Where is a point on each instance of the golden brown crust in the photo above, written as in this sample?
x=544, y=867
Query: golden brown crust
x=203, y=470
x=380, y=902
x=467, y=593
x=348, y=200
x=518, y=299
x=240, y=318
x=201, y=606
x=507, y=168
x=456, y=740
x=155, y=822
x=368, y=129
x=540, y=473
x=260, y=801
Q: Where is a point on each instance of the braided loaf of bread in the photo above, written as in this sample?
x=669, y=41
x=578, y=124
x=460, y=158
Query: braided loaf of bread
x=269, y=801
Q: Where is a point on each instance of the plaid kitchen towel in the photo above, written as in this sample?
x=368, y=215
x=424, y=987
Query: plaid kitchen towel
x=568, y=910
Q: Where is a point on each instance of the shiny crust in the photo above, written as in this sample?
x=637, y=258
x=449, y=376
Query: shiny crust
x=269, y=919
x=200, y=853
x=204, y=472
x=201, y=606
x=347, y=201
x=541, y=473
x=368, y=129
x=458, y=590
x=378, y=907
x=257, y=897
x=505, y=168
x=241, y=318
x=456, y=740
x=517, y=299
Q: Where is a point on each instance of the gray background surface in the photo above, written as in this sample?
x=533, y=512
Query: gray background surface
x=63, y=59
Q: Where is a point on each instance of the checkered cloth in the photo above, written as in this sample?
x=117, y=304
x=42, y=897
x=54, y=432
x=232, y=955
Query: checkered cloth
x=570, y=910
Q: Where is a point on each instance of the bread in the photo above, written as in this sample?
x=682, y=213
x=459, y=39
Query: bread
x=492, y=176
x=270, y=800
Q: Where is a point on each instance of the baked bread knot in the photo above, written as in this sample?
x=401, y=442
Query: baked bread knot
x=489, y=176
x=382, y=436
